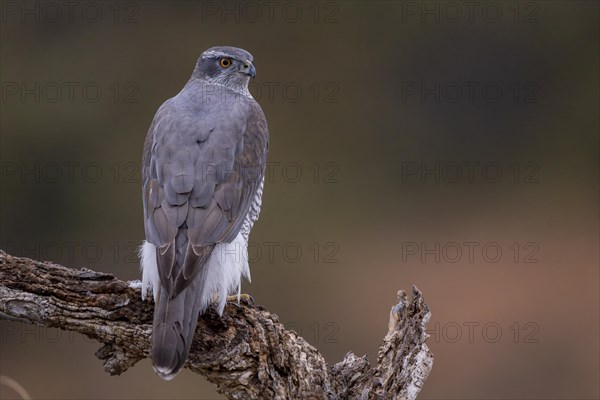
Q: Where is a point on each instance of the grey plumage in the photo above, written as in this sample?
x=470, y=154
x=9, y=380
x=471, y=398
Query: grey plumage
x=203, y=168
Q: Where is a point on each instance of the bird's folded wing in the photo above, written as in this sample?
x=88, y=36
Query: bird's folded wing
x=201, y=171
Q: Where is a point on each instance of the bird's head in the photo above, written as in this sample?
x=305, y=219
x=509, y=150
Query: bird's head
x=226, y=66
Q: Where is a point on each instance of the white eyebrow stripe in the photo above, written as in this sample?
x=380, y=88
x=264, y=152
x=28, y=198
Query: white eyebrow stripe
x=207, y=54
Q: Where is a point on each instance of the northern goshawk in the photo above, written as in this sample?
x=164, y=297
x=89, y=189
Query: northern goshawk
x=203, y=173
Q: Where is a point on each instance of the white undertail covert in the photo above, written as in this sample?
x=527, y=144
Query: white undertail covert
x=226, y=267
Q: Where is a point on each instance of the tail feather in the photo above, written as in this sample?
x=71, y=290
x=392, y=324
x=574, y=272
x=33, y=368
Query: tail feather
x=175, y=321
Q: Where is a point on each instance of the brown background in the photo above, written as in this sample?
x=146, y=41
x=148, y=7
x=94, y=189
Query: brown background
x=523, y=326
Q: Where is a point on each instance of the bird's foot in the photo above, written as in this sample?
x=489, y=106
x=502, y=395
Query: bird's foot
x=245, y=298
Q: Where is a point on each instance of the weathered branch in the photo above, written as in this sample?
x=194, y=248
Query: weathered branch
x=247, y=353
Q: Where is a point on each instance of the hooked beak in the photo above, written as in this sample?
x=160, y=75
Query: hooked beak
x=248, y=69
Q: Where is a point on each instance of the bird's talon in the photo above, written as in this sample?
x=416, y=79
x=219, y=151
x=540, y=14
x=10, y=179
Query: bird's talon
x=245, y=298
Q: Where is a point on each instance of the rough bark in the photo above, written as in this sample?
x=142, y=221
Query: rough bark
x=247, y=353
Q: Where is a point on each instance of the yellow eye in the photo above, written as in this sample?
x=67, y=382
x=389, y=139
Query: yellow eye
x=225, y=62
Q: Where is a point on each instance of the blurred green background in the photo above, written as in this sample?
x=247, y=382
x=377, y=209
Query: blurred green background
x=448, y=146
